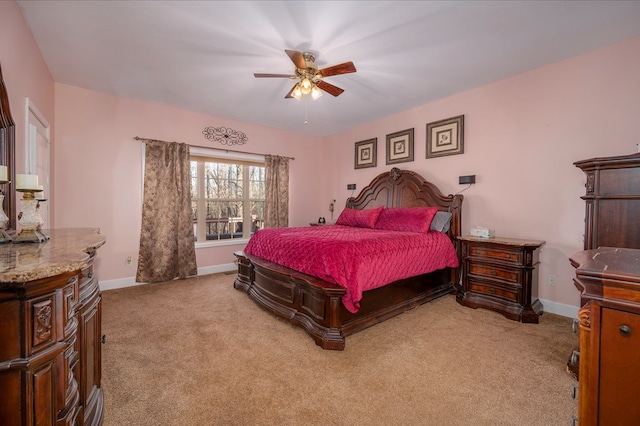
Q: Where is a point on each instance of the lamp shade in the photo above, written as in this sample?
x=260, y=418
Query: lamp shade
x=305, y=86
x=297, y=92
x=316, y=93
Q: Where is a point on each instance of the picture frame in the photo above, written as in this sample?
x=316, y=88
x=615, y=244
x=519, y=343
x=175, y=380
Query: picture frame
x=366, y=153
x=445, y=137
x=400, y=146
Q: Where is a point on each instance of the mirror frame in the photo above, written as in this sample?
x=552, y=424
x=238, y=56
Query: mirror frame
x=8, y=154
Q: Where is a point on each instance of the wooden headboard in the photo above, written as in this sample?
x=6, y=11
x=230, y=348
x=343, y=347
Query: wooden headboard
x=404, y=188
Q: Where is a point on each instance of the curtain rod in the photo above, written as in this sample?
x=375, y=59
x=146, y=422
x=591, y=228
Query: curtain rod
x=138, y=138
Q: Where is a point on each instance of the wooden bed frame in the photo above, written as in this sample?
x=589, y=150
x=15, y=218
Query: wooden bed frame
x=316, y=305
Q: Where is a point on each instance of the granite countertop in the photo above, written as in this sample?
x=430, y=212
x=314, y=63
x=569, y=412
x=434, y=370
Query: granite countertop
x=65, y=251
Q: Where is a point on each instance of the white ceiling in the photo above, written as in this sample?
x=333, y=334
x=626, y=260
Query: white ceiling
x=201, y=55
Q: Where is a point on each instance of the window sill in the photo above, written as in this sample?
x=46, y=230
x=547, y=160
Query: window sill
x=220, y=243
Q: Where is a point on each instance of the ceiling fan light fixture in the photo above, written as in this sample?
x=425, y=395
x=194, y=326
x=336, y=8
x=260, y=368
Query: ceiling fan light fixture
x=315, y=93
x=305, y=86
x=309, y=77
x=297, y=92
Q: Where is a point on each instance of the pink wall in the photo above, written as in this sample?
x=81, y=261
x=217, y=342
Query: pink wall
x=25, y=75
x=99, y=168
x=522, y=136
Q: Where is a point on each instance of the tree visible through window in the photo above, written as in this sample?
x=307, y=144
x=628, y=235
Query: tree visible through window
x=227, y=198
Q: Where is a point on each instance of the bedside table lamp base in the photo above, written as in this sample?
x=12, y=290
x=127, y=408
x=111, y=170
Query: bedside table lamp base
x=30, y=236
x=4, y=219
x=4, y=237
x=30, y=219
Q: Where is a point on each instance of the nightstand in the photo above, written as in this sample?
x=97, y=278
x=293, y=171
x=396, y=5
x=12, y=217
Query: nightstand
x=501, y=274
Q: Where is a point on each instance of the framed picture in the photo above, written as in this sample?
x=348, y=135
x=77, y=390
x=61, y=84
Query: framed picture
x=400, y=147
x=366, y=153
x=445, y=137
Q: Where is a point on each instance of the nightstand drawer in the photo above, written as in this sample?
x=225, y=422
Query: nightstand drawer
x=506, y=255
x=511, y=294
x=491, y=271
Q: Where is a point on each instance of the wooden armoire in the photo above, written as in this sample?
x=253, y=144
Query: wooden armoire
x=612, y=216
x=608, y=278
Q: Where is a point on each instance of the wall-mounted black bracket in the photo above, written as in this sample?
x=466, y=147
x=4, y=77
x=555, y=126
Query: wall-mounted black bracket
x=469, y=179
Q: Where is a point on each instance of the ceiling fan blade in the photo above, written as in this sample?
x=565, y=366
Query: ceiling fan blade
x=344, y=68
x=262, y=75
x=297, y=58
x=330, y=88
x=289, y=95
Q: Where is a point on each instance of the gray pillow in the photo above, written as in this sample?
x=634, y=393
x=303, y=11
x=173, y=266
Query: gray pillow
x=441, y=222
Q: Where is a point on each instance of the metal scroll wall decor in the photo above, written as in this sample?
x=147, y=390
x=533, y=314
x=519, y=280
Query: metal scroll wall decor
x=225, y=135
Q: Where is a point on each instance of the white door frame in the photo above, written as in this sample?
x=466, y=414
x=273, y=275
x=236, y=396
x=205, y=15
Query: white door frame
x=38, y=154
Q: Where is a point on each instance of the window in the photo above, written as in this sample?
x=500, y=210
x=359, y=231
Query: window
x=227, y=197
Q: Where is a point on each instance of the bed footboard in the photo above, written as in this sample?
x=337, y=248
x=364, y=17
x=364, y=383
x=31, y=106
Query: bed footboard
x=305, y=301
x=316, y=305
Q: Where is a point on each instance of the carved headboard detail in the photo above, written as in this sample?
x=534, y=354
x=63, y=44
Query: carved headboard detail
x=404, y=188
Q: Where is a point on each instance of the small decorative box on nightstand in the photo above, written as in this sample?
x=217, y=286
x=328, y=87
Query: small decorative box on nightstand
x=501, y=274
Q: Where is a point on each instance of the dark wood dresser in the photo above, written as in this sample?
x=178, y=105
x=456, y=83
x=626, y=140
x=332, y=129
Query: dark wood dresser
x=609, y=321
x=501, y=274
x=50, y=331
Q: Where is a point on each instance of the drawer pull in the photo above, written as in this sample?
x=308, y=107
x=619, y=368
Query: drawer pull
x=625, y=330
x=492, y=290
x=507, y=256
x=493, y=272
x=575, y=358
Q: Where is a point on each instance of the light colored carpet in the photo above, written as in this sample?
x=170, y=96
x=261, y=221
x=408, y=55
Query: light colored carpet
x=199, y=352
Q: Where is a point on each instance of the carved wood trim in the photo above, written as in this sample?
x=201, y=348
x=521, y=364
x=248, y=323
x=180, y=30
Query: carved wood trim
x=43, y=322
x=590, y=185
x=584, y=316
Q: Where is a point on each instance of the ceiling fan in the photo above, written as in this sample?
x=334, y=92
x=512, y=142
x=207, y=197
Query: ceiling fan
x=310, y=78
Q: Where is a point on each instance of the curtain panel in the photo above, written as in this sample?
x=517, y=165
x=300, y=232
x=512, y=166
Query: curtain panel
x=167, y=246
x=276, y=214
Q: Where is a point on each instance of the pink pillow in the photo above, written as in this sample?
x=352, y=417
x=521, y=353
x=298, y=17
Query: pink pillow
x=412, y=219
x=360, y=218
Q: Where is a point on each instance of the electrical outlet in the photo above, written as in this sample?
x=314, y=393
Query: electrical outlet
x=127, y=261
x=551, y=280
x=351, y=186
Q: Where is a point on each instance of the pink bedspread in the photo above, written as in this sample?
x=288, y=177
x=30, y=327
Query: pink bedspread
x=357, y=259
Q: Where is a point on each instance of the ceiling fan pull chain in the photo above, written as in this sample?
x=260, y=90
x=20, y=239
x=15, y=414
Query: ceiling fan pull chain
x=305, y=110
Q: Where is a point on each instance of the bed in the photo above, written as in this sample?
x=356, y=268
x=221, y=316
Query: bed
x=316, y=304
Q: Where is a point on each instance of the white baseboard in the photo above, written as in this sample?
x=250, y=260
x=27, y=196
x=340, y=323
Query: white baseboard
x=560, y=308
x=131, y=281
x=549, y=306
